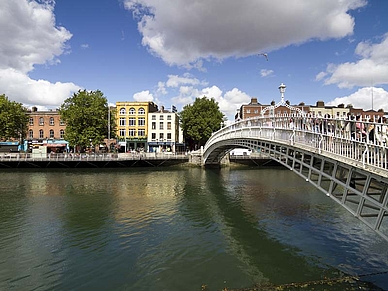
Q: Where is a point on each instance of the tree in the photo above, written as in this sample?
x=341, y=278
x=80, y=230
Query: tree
x=86, y=116
x=199, y=120
x=13, y=119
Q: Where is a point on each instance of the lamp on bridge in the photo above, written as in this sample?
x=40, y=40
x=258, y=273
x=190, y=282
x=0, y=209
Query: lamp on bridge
x=271, y=108
x=282, y=89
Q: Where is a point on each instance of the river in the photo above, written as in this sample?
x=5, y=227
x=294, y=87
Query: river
x=177, y=229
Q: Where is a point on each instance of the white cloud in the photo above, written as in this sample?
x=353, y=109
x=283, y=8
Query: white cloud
x=228, y=102
x=29, y=37
x=371, y=69
x=320, y=76
x=212, y=92
x=161, y=88
x=85, y=46
x=176, y=81
x=363, y=98
x=34, y=92
x=143, y=96
x=35, y=40
x=186, y=33
x=186, y=90
x=266, y=73
x=231, y=101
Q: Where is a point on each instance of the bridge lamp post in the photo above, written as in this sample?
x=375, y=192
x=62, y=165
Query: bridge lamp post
x=282, y=89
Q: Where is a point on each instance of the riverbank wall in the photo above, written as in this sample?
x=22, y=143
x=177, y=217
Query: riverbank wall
x=194, y=159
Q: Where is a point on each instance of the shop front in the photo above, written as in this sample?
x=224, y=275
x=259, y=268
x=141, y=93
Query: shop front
x=161, y=147
x=132, y=144
x=55, y=146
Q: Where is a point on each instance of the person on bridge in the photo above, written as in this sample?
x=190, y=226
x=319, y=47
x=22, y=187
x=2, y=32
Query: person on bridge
x=360, y=129
x=349, y=127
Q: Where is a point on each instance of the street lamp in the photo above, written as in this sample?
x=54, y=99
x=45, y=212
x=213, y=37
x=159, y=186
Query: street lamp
x=282, y=89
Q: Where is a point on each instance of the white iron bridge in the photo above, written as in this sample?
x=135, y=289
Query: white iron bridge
x=347, y=159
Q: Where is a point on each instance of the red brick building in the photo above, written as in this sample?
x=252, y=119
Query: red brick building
x=45, y=128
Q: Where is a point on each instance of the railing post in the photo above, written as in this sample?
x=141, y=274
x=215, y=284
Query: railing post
x=292, y=137
x=320, y=143
x=366, y=152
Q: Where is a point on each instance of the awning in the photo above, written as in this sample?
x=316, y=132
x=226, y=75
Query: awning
x=160, y=143
x=56, y=145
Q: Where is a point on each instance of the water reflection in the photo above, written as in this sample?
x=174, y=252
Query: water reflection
x=174, y=229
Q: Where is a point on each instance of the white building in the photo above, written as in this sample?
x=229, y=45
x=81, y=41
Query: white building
x=164, y=133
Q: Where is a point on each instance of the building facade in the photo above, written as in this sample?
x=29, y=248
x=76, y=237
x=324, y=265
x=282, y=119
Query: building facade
x=255, y=109
x=321, y=110
x=45, y=128
x=164, y=134
x=132, y=124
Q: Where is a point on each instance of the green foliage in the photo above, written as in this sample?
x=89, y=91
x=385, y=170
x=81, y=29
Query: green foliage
x=86, y=117
x=200, y=119
x=13, y=119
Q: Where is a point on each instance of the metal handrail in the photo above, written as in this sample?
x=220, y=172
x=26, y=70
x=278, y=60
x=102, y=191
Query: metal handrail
x=339, y=137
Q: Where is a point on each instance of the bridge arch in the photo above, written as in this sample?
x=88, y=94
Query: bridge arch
x=352, y=172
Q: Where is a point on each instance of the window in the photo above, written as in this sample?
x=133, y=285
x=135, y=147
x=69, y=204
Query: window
x=31, y=121
x=41, y=133
x=122, y=132
x=248, y=111
x=62, y=134
x=122, y=111
x=169, y=125
x=51, y=120
x=153, y=117
x=153, y=125
x=122, y=121
x=141, y=111
x=141, y=132
x=256, y=111
x=161, y=125
x=61, y=122
x=30, y=133
x=132, y=132
x=153, y=136
x=132, y=111
x=132, y=121
x=161, y=136
x=141, y=121
x=169, y=136
x=161, y=117
x=41, y=121
x=168, y=117
x=51, y=133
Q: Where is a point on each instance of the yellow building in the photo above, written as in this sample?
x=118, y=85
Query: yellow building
x=132, y=121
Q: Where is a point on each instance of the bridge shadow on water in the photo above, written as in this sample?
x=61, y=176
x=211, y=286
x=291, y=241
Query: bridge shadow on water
x=272, y=264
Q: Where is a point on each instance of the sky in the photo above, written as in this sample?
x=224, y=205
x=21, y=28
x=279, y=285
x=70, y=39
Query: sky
x=173, y=51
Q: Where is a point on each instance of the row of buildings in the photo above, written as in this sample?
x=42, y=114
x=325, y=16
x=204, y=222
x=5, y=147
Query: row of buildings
x=254, y=108
x=142, y=126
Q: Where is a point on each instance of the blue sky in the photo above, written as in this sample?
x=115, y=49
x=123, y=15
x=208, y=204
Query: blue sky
x=173, y=51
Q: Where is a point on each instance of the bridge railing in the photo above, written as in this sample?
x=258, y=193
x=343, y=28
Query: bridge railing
x=357, y=138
